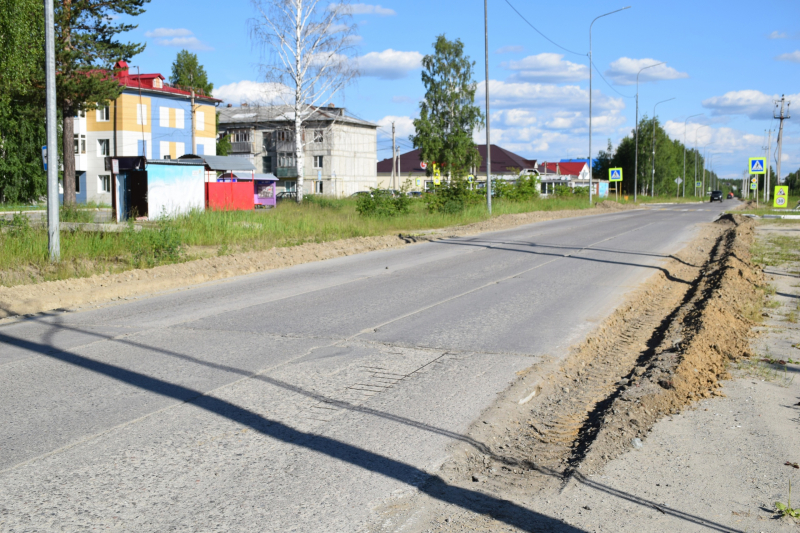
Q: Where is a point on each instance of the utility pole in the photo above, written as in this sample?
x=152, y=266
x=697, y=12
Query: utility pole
x=53, y=237
x=394, y=157
x=767, y=148
x=194, y=139
x=783, y=116
x=488, y=138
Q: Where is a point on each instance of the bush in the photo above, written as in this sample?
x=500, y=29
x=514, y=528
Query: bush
x=526, y=188
x=382, y=203
x=581, y=191
x=324, y=202
x=562, y=191
x=71, y=213
x=451, y=198
x=151, y=247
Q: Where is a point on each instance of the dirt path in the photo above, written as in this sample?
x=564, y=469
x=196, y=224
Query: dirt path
x=73, y=293
x=550, y=445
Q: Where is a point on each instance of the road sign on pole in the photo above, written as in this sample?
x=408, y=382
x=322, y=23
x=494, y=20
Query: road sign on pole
x=758, y=165
x=754, y=183
x=614, y=174
x=423, y=165
x=678, y=181
x=698, y=184
x=781, y=196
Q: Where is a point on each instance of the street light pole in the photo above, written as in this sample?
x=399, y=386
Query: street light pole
x=590, y=94
x=53, y=234
x=636, y=150
x=704, y=168
x=653, y=180
x=695, y=157
x=488, y=138
x=684, y=151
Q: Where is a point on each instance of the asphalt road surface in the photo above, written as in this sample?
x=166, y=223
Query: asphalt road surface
x=304, y=398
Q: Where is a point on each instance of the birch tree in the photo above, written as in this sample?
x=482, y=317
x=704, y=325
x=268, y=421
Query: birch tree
x=307, y=46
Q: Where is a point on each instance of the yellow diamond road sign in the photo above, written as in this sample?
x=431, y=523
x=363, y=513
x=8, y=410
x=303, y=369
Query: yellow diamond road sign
x=758, y=165
x=614, y=174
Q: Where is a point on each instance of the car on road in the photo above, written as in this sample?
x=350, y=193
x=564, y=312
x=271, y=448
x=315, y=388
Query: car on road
x=731, y=196
x=716, y=196
x=414, y=194
x=286, y=195
x=360, y=193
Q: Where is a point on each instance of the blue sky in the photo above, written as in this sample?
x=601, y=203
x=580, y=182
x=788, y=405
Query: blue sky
x=725, y=59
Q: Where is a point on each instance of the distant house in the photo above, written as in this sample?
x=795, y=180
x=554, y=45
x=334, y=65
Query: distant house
x=340, y=151
x=506, y=165
x=571, y=173
x=150, y=118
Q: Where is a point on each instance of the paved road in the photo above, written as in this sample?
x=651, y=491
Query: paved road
x=300, y=399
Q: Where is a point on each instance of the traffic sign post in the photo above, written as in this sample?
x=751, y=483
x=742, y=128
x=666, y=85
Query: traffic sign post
x=781, y=199
x=678, y=182
x=614, y=174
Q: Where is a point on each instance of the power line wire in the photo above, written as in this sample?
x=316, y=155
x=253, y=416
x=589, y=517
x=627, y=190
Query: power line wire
x=609, y=85
x=540, y=33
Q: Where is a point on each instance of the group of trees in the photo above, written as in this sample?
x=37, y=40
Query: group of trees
x=86, y=46
x=669, y=162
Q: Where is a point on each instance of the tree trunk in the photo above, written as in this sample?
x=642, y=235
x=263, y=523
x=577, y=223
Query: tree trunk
x=298, y=154
x=69, y=158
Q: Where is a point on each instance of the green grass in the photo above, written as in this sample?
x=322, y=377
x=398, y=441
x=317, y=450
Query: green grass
x=24, y=257
x=774, y=250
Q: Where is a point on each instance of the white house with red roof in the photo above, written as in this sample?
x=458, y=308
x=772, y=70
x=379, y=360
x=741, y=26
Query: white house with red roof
x=151, y=119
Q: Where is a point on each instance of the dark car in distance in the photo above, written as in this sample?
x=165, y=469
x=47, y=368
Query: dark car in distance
x=286, y=195
x=716, y=196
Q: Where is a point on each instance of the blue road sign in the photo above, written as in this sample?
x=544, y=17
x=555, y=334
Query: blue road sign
x=758, y=165
x=615, y=174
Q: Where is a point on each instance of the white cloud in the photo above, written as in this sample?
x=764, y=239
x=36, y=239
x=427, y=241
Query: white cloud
x=366, y=9
x=623, y=71
x=253, y=92
x=168, y=32
x=180, y=37
x=752, y=103
x=777, y=35
x=403, y=127
x=514, y=49
x=794, y=57
x=546, y=67
x=389, y=64
x=401, y=99
x=510, y=95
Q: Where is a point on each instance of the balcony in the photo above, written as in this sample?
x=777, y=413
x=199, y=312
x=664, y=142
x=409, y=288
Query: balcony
x=287, y=172
x=243, y=148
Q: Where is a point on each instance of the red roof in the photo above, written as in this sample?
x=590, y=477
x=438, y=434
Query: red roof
x=564, y=169
x=502, y=162
x=147, y=81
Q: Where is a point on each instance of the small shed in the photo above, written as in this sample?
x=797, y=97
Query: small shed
x=157, y=188
x=224, y=188
x=263, y=186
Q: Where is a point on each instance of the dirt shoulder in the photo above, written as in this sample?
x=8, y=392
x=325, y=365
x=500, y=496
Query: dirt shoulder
x=73, y=293
x=634, y=431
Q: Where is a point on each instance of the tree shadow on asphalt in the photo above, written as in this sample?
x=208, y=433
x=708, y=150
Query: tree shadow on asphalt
x=433, y=485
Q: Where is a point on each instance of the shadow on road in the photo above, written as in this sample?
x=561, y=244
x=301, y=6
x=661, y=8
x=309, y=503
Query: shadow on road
x=434, y=486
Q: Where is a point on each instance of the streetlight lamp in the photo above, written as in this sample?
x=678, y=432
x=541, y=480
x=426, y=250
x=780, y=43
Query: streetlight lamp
x=704, y=167
x=695, y=158
x=590, y=95
x=636, y=151
x=653, y=181
x=684, y=151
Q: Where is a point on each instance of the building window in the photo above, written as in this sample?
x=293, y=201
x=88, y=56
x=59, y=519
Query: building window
x=200, y=120
x=179, y=118
x=242, y=136
x=163, y=117
x=78, y=182
x=103, y=147
x=319, y=136
x=286, y=160
x=318, y=187
x=105, y=182
x=266, y=164
x=317, y=161
x=103, y=114
x=284, y=135
x=157, y=84
x=141, y=114
x=267, y=141
x=79, y=144
x=288, y=185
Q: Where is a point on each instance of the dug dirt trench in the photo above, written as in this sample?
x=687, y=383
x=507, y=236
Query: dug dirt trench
x=666, y=347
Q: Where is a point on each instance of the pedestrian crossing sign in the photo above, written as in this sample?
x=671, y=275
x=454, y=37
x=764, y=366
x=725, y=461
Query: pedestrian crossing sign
x=615, y=174
x=758, y=165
